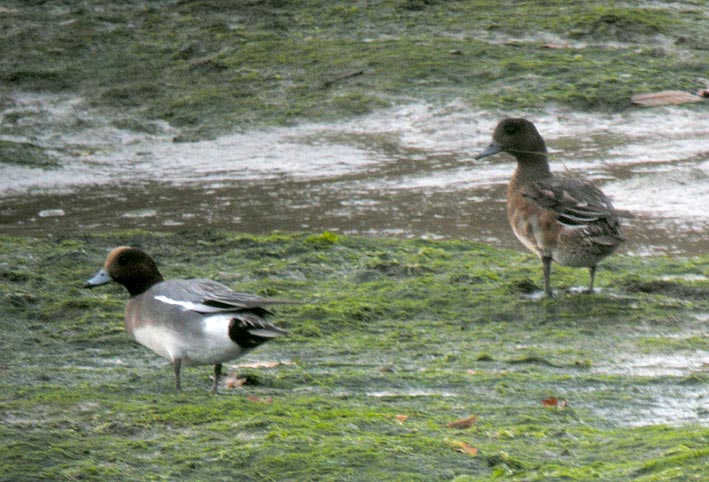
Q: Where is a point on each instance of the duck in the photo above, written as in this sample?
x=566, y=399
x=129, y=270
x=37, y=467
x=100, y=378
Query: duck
x=561, y=219
x=187, y=321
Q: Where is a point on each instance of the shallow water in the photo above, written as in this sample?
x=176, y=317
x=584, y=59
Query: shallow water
x=405, y=171
x=669, y=387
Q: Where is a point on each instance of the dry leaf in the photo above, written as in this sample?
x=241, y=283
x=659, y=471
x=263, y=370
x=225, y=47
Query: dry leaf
x=672, y=97
x=232, y=381
x=402, y=418
x=554, y=402
x=463, y=422
x=265, y=364
x=465, y=448
x=254, y=399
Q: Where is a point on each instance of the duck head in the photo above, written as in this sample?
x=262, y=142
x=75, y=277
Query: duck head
x=518, y=137
x=131, y=267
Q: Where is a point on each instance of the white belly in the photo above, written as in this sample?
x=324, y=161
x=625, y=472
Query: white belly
x=206, y=345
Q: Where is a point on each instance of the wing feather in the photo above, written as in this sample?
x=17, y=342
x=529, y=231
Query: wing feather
x=576, y=202
x=209, y=297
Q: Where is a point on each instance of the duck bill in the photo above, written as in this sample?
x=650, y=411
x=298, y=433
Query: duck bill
x=101, y=278
x=491, y=149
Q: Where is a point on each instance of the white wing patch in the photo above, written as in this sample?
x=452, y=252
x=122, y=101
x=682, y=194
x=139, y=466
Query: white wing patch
x=189, y=306
x=186, y=305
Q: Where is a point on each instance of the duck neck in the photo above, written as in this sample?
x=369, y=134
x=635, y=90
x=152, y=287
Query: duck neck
x=138, y=287
x=531, y=167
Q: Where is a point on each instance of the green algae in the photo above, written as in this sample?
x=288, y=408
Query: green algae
x=433, y=331
x=212, y=66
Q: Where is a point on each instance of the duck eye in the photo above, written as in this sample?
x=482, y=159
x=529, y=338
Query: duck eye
x=512, y=128
x=122, y=260
x=128, y=257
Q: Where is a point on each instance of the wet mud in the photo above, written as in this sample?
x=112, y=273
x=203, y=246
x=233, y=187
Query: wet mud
x=404, y=172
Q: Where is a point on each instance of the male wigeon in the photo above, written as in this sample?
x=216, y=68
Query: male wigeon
x=561, y=219
x=191, y=322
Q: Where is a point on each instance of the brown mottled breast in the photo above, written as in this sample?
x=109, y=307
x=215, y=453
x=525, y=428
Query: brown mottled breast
x=535, y=227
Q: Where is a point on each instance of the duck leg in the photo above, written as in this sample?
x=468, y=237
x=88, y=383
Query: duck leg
x=546, y=262
x=177, y=365
x=217, y=374
x=592, y=272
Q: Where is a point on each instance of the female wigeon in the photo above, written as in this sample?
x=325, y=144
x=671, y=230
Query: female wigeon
x=191, y=322
x=561, y=219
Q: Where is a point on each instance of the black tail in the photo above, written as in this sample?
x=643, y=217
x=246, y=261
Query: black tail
x=249, y=331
